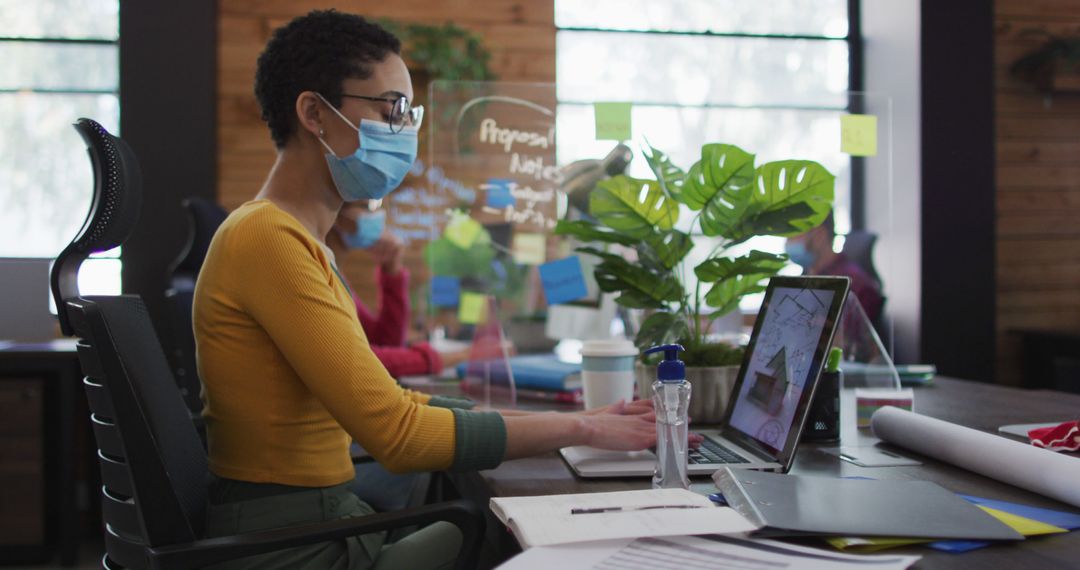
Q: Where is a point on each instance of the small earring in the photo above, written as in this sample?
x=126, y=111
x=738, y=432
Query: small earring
x=322, y=133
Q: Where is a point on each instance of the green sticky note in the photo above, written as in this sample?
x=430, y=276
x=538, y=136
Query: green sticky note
x=858, y=135
x=472, y=309
x=612, y=121
x=463, y=231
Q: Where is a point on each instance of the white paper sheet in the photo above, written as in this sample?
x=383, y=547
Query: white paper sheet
x=694, y=553
x=1028, y=467
x=545, y=520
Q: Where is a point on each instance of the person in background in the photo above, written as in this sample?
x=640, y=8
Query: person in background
x=289, y=377
x=362, y=225
x=813, y=250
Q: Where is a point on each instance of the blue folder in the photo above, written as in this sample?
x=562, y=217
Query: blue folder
x=536, y=371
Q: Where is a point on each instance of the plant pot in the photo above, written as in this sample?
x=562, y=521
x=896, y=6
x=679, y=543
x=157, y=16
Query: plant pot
x=710, y=392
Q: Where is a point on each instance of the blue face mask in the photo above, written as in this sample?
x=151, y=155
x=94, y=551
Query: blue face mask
x=369, y=228
x=799, y=254
x=378, y=166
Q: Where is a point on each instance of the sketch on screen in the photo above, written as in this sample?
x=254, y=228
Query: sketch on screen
x=780, y=364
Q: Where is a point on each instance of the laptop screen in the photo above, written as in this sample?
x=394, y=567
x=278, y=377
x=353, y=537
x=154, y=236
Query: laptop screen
x=784, y=359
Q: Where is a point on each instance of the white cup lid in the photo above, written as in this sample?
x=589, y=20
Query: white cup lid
x=609, y=347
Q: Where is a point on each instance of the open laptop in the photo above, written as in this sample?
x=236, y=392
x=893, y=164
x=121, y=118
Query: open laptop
x=771, y=397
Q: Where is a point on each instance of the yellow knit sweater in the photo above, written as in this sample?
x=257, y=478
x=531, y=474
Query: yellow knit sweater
x=287, y=373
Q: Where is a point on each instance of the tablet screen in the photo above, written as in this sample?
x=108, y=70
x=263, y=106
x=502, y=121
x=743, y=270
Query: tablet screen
x=784, y=359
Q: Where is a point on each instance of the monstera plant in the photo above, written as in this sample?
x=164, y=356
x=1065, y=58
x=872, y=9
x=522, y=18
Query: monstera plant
x=729, y=198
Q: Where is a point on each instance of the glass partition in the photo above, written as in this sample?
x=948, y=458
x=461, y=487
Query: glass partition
x=506, y=161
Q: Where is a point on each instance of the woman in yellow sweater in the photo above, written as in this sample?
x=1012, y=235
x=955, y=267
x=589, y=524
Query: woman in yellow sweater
x=288, y=374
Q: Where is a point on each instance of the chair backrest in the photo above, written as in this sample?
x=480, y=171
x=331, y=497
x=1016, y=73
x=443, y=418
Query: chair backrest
x=153, y=465
x=859, y=248
x=204, y=218
x=185, y=369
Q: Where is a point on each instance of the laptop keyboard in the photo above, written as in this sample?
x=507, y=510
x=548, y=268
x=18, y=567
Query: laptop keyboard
x=712, y=451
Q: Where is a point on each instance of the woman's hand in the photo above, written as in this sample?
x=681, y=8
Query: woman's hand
x=637, y=408
x=622, y=408
x=620, y=432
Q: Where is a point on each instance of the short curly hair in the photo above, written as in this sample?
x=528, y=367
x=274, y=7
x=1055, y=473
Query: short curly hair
x=316, y=52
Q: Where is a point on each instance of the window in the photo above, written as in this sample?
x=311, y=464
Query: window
x=771, y=77
x=61, y=63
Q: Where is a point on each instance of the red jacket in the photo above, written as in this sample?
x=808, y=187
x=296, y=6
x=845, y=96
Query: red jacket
x=386, y=331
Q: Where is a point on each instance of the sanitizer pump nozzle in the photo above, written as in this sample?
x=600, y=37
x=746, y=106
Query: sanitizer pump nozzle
x=671, y=399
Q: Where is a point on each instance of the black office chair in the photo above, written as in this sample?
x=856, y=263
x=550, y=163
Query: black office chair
x=204, y=218
x=859, y=248
x=153, y=467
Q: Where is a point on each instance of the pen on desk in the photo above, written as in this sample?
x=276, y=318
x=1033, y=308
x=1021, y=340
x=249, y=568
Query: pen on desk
x=594, y=510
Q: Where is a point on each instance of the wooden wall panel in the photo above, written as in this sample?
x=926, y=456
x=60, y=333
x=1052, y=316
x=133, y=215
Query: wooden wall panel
x=519, y=33
x=1038, y=178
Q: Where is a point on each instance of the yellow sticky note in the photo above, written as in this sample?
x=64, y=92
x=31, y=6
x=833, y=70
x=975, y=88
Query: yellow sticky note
x=1023, y=525
x=463, y=231
x=858, y=135
x=529, y=249
x=472, y=310
x=612, y=121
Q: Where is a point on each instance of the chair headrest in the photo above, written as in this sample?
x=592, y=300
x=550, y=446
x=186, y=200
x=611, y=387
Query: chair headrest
x=117, y=196
x=114, y=209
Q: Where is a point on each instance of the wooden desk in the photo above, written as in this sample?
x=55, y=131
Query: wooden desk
x=972, y=404
x=42, y=383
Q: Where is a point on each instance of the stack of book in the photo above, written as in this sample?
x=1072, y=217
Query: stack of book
x=536, y=376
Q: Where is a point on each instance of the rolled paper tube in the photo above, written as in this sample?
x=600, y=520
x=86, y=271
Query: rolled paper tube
x=1038, y=470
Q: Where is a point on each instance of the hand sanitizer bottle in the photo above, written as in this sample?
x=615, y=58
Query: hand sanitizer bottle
x=671, y=399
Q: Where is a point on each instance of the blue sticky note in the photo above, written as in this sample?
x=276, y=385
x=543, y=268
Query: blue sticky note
x=500, y=271
x=1068, y=521
x=445, y=291
x=498, y=193
x=563, y=281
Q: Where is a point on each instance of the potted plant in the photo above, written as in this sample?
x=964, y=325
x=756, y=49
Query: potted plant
x=730, y=199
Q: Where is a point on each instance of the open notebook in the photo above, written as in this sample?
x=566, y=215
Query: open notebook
x=562, y=519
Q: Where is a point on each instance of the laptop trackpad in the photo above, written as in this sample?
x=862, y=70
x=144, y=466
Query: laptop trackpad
x=591, y=462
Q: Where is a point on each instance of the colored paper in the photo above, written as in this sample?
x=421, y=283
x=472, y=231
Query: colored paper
x=858, y=135
x=612, y=121
x=859, y=544
x=563, y=281
x=498, y=193
x=1026, y=520
x=958, y=546
x=473, y=308
x=529, y=249
x=1023, y=525
x=445, y=291
x=463, y=231
x=1061, y=519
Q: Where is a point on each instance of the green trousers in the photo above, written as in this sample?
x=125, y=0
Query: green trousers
x=237, y=507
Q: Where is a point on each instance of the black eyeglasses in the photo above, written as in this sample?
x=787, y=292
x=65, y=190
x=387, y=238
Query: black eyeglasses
x=401, y=113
